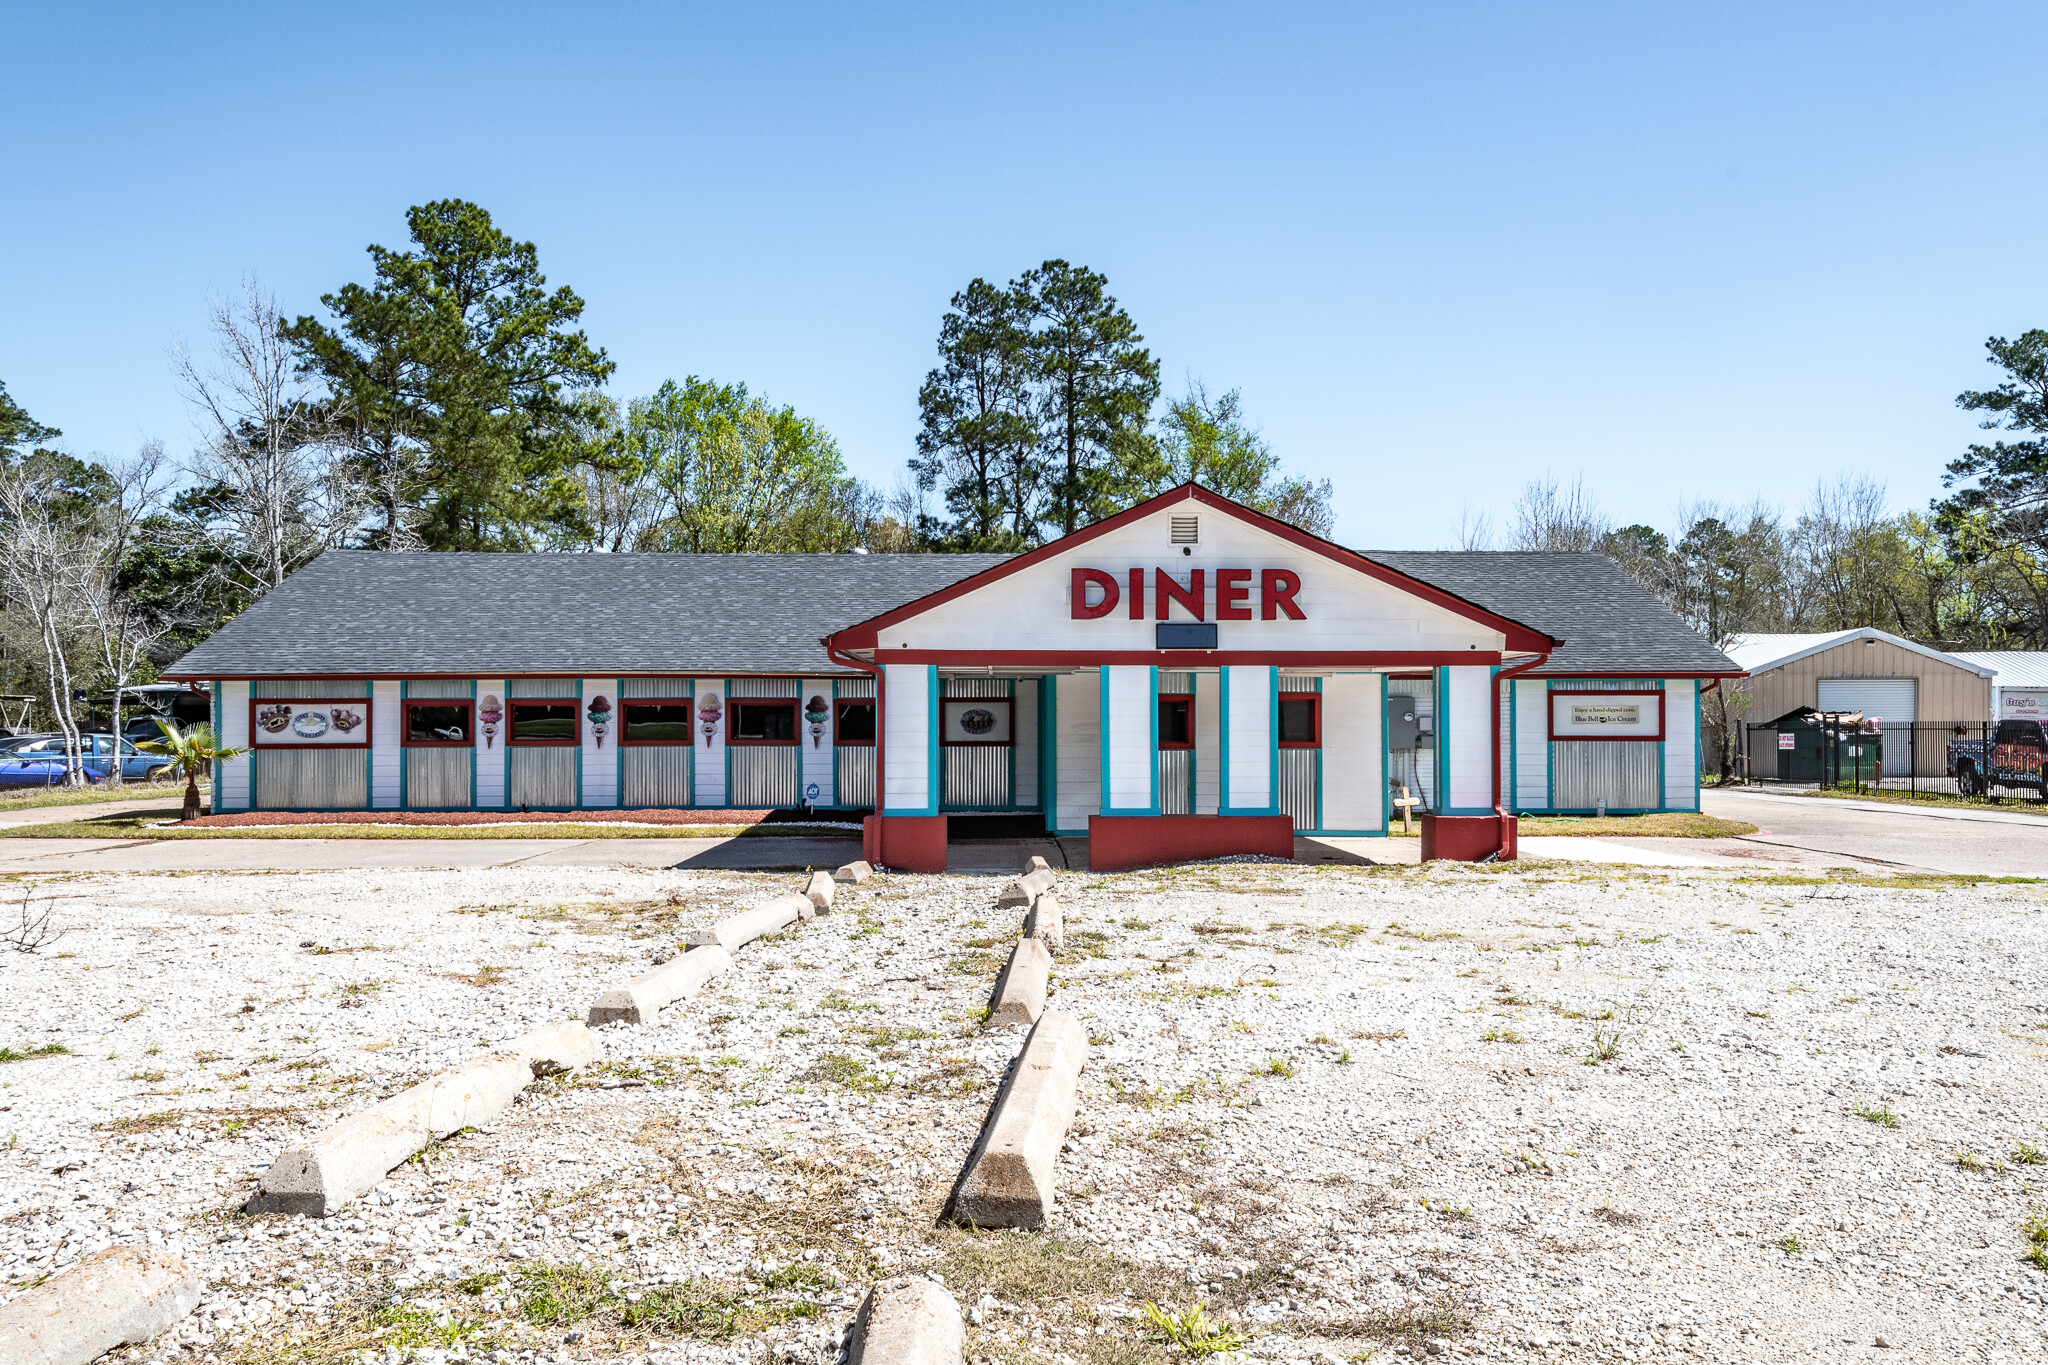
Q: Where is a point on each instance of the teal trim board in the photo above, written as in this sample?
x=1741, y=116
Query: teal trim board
x=1049, y=751
x=1549, y=750
x=1699, y=748
x=1223, y=806
x=1663, y=793
x=1386, y=761
x=725, y=750
x=1273, y=740
x=473, y=727
x=404, y=758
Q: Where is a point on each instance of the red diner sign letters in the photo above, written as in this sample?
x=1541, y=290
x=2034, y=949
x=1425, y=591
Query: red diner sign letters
x=1096, y=594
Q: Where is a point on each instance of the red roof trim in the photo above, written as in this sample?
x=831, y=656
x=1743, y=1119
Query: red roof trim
x=1182, y=658
x=1520, y=638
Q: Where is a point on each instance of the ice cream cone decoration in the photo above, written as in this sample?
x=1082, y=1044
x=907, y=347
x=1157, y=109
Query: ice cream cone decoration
x=815, y=711
x=709, y=710
x=490, y=714
x=600, y=714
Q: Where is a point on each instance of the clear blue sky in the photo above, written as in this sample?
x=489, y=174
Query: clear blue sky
x=1690, y=251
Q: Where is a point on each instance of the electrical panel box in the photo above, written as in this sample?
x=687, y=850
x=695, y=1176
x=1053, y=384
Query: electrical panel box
x=1404, y=723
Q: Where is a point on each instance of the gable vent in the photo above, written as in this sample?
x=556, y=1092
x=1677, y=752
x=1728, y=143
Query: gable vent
x=1186, y=530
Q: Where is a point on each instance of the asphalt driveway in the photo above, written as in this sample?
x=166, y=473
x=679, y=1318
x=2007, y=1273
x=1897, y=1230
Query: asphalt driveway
x=1989, y=843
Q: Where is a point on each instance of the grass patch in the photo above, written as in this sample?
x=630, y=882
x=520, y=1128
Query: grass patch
x=1881, y=1116
x=8, y=1054
x=2026, y=805
x=1192, y=1331
x=705, y=1309
x=146, y=824
x=1663, y=825
x=840, y=1069
x=561, y=1295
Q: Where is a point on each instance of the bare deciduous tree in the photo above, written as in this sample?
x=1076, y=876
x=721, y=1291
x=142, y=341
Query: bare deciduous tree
x=281, y=484
x=45, y=556
x=1550, y=516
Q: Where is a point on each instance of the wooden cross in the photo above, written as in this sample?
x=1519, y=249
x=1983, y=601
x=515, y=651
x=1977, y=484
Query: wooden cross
x=1407, y=805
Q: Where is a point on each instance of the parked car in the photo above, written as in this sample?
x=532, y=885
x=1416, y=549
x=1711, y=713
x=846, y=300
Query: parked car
x=38, y=761
x=2012, y=759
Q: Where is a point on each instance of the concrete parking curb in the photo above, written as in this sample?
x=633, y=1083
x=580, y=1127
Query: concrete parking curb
x=1008, y=1182
x=821, y=890
x=1042, y=921
x=1025, y=888
x=347, y=1161
x=120, y=1296
x=1020, y=991
x=741, y=929
x=854, y=873
x=907, y=1321
x=680, y=978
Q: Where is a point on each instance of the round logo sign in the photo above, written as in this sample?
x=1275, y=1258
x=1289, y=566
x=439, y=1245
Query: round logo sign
x=977, y=721
x=811, y=792
x=309, y=725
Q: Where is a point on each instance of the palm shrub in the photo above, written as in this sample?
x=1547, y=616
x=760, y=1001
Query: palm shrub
x=191, y=752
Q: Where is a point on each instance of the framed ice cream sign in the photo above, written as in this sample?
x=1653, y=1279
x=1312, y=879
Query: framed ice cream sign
x=310, y=722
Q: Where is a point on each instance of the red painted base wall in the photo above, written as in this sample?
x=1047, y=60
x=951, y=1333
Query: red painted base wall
x=910, y=843
x=1119, y=841
x=1469, y=838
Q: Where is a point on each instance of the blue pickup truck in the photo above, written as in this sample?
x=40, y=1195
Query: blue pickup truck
x=2013, y=759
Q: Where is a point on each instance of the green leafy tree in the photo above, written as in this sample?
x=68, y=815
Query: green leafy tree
x=741, y=474
x=1207, y=440
x=978, y=445
x=461, y=384
x=18, y=429
x=1998, y=515
x=1097, y=384
x=192, y=752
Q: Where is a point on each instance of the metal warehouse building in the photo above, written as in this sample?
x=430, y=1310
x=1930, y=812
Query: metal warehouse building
x=1188, y=678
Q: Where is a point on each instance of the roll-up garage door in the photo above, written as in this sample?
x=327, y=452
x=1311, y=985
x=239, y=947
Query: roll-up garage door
x=1890, y=698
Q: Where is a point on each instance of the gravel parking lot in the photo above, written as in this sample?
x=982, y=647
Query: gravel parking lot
x=1543, y=1111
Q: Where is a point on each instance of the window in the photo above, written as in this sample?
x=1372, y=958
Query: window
x=1176, y=722
x=856, y=724
x=760, y=722
x=542, y=722
x=1301, y=720
x=656, y=722
x=437, y=724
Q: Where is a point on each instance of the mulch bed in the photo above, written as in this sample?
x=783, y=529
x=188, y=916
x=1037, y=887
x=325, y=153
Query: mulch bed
x=430, y=818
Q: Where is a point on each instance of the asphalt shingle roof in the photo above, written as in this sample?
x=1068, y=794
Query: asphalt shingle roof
x=367, y=613
x=1609, y=623
x=364, y=613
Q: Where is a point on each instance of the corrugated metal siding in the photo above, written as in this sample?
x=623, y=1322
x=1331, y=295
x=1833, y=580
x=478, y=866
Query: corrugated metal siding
x=1416, y=768
x=543, y=775
x=657, y=687
x=439, y=687
x=855, y=687
x=436, y=778
x=857, y=775
x=1298, y=682
x=974, y=687
x=1583, y=772
x=763, y=687
x=766, y=774
x=1176, y=781
x=1298, y=786
x=977, y=775
x=1176, y=683
x=314, y=779
x=1947, y=695
x=656, y=774
x=309, y=687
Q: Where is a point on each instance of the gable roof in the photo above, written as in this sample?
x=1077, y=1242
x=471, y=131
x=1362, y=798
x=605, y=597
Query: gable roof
x=1520, y=636
x=2011, y=667
x=366, y=613
x=1760, y=653
x=1608, y=623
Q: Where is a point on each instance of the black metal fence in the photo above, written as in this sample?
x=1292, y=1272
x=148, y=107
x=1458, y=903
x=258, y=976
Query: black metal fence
x=1890, y=756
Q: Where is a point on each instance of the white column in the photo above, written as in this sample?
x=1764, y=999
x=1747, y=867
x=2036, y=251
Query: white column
x=1354, y=748
x=1465, y=716
x=234, y=780
x=601, y=753
x=910, y=736
x=817, y=747
x=707, y=762
x=490, y=749
x=1208, y=742
x=386, y=785
x=1681, y=745
x=1130, y=748
x=1078, y=714
x=1250, y=752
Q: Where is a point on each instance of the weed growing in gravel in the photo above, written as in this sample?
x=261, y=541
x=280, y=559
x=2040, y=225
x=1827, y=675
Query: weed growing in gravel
x=2027, y=1154
x=1192, y=1331
x=1498, y=1034
x=1606, y=1046
x=562, y=1295
x=1443, y=1208
x=700, y=1308
x=2035, y=1230
x=837, y=1068
x=1274, y=1066
x=1789, y=1245
x=1881, y=1116
x=8, y=1054
x=1607, y=1213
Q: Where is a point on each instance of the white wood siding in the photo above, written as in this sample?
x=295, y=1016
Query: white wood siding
x=386, y=787
x=1467, y=717
x=1025, y=735
x=1133, y=771
x=1208, y=693
x=909, y=696
x=1354, y=781
x=490, y=753
x=817, y=768
x=1079, y=748
x=600, y=756
x=709, y=759
x=1345, y=610
x=1532, y=744
x=231, y=790
x=1681, y=746
x=1250, y=719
